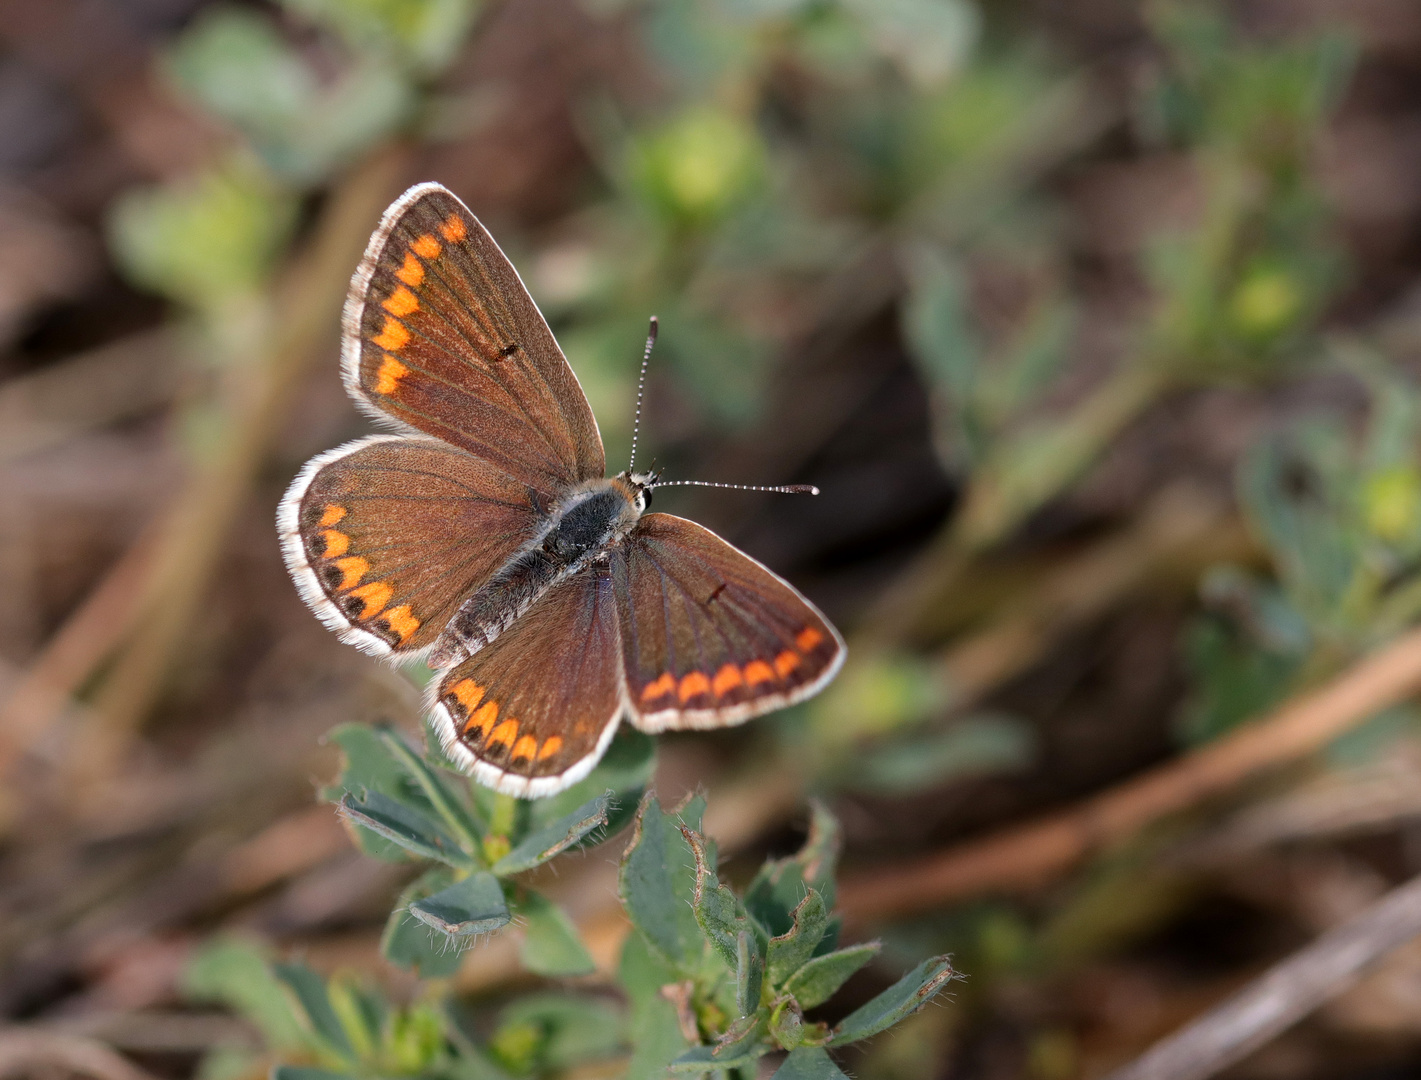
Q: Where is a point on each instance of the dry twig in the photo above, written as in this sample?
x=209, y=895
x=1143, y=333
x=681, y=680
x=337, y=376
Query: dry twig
x=1031, y=854
x=1284, y=994
x=26, y=1051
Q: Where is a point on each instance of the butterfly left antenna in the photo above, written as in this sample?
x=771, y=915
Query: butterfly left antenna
x=641, y=388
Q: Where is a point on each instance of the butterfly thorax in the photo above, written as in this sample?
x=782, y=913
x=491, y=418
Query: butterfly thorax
x=581, y=529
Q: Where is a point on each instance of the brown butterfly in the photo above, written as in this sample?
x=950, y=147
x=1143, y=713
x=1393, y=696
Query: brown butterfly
x=485, y=538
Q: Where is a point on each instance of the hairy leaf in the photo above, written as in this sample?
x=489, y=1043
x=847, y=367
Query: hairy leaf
x=413, y=944
x=809, y=1063
x=658, y=882
x=818, y=980
x=781, y=885
x=902, y=999
x=788, y=952
x=415, y=832
x=542, y=844
x=472, y=906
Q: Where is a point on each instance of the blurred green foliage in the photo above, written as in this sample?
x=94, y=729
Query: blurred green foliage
x=1340, y=516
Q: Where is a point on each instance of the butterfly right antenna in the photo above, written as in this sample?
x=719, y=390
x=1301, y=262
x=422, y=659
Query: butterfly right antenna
x=641, y=388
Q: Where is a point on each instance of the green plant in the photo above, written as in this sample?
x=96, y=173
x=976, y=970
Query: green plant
x=712, y=981
x=406, y=806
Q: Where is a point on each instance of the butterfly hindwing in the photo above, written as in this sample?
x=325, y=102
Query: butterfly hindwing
x=386, y=536
x=441, y=335
x=531, y=713
x=709, y=636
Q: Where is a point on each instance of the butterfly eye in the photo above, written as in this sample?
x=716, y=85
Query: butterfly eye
x=646, y=500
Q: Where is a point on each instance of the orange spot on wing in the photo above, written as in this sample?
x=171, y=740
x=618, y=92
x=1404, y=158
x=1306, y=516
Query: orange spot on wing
x=551, y=745
x=393, y=336
x=426, y=247
x=786, y=662
x=693, y=684
x=726, y=679
x=354, y=568
x=467, y=693
x=402, y=622
x=412, y=273
x=526, y=747
x=376, y=595
x=483, y=719
x=505, y=733
x=808, y=638
x=454, y=229
x=332, y=514
x=400, y=302
x=337, y=543
x=387, y=379
x=660, y=688
x=757, y=671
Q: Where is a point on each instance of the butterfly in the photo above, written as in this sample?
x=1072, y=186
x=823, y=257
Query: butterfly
x=484, y=537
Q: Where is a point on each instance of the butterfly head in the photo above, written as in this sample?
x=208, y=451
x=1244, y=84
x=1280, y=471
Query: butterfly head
x=639, y=485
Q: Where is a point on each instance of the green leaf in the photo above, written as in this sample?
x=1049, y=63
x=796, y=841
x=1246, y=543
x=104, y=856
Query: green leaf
x=472, y=906
x=424, y=35
x=657, y=883
x=809, y=1063
x=551, y=945
x=449, y=806
x=782, y=885
x=741, y=1045
x=307, y=1072
x=368, y=765
x=308, y=991
x=719, y=913
x=542, y=844
x=655, y=1027
x=239, y=67
x=238, y=974
x=819, y=979
x=206, y=240
x=749, y=973
x=413, y=944
x=902, y=999
x=788, y=952
x=407, y=827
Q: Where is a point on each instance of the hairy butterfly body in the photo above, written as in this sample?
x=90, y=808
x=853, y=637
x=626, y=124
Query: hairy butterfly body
x=485, y=538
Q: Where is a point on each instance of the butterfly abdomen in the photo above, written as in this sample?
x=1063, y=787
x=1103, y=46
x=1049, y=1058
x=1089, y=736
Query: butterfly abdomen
x=585, y=525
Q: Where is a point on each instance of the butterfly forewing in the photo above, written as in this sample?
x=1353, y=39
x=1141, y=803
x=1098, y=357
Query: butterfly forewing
x=386, y=536
x=709, y=636
x=531, y=713
x=441, y=335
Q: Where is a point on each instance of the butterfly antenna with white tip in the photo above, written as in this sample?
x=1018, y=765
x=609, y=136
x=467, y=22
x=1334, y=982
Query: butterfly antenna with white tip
x=641, y=388
x=783, y=489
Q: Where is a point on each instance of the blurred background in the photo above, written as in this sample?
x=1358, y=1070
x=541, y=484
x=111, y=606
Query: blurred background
x=1098, y=323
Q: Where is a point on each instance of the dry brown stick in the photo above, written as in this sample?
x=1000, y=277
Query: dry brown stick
x=1029, y=855
x=1284, y=994
x=72, y=654
x=30, y=1052
x=307, y=299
